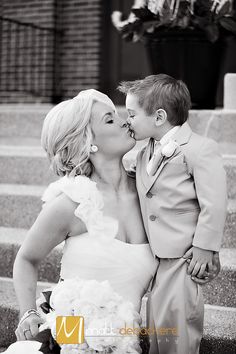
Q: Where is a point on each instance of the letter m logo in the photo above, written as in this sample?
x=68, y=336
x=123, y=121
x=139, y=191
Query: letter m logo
x=70, y=329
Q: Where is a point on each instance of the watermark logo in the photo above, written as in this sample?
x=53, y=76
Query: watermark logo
x=70, y=329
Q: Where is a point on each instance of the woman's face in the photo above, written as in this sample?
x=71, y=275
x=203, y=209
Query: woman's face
x=111, y=133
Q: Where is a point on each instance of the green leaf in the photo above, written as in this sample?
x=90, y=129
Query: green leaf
x=49, y=345
x=229, y=24
x=212, y=32
x=143, y=13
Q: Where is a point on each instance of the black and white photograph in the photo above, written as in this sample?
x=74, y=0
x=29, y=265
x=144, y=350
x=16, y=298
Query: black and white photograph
x=118, y=176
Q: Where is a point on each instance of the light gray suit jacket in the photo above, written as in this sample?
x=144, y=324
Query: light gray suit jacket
x=185, y=202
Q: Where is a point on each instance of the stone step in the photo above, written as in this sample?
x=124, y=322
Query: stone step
x=26, y=120
x=24, y=165
x=229, y=240
x=10, y=241
x=9, y=310
x=219, y=330
x=214, y=292
x=221, y=291
x=20, y=205
x=228, y=148
x=230, y=167
x=22, y=120
x=219, y=322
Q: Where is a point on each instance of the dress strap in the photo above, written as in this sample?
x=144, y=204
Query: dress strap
x=84, y=191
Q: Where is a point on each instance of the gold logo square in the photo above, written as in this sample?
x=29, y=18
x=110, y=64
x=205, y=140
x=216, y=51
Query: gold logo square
x=70, y=329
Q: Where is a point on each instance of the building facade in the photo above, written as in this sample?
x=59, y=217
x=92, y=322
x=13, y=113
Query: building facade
x=52, y=49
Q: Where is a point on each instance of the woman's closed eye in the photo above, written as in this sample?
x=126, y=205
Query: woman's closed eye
x=108, y=118
x=109, y=121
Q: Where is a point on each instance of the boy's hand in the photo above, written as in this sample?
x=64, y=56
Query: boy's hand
x=201, y=260
x=210, y=273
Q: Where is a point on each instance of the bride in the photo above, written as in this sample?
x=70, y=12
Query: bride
x=107, y=263
x=94, y=208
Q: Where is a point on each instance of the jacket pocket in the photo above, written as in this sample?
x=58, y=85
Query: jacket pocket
x=187, y=211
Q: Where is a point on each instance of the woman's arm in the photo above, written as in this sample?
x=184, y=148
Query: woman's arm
x=50, y=229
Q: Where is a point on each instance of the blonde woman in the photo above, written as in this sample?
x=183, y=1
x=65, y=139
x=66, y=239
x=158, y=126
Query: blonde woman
x=94, y=208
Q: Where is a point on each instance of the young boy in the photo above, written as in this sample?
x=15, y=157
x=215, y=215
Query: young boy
x=182, y=190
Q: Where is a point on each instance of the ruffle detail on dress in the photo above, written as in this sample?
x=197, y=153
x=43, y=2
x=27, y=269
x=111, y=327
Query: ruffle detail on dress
x=53, y=190
x=83, y=191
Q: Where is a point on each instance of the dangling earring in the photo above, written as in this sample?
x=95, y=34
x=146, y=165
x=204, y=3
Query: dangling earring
x=94, y=148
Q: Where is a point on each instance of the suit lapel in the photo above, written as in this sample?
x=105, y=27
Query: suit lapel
x=181, y=137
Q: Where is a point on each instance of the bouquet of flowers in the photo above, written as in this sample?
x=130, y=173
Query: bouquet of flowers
x=147, y=17
x=103, y=310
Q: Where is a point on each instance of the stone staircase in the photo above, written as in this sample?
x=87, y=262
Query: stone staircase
x=24, y=174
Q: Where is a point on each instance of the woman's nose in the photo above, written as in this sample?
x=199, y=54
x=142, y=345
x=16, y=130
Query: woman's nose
x=122, y=122
x=128, y=120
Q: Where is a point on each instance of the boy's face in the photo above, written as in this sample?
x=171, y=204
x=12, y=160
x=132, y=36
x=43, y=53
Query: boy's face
x=139, y=121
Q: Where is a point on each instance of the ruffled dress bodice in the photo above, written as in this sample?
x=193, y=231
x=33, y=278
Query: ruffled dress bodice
x=98, y=254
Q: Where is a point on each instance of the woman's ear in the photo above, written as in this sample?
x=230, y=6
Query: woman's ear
x=160, y=117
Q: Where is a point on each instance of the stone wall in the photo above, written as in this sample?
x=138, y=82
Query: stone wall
x=80, y=50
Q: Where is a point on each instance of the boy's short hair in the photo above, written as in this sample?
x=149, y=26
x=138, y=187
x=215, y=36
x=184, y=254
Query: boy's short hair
x=161, y=91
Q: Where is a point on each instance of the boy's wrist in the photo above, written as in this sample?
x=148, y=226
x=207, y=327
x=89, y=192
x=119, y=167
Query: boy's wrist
x=204, y=249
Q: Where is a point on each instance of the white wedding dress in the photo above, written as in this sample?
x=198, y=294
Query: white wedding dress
x=98, y=254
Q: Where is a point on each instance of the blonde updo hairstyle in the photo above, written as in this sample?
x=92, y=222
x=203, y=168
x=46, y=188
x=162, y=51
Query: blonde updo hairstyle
x=67, y=135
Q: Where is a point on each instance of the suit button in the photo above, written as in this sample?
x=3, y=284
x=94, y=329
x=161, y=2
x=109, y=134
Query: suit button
x=149, y=195
x=152, y=217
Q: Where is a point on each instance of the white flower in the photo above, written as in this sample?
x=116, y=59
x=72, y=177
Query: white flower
x=126, y=312
x=139, y=4
x=69, y=349
x=156, y=6
x=169, y=149
x=129, y=344
x=85, y=308
x=105, y=312
x=63, y=295
x=62, y=302
x=97, y=293
x=100, y=334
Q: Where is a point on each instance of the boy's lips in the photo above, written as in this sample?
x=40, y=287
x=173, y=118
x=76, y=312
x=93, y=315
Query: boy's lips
x=132, y=134
x=130, y=130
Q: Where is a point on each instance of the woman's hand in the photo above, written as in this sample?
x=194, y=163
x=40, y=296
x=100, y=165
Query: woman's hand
x=28, y=328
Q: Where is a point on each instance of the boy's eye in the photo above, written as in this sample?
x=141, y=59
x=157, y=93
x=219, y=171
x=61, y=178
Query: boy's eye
x=109, y=121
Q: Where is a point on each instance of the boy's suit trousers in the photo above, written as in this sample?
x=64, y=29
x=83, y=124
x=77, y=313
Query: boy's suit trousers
x=175, y=310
